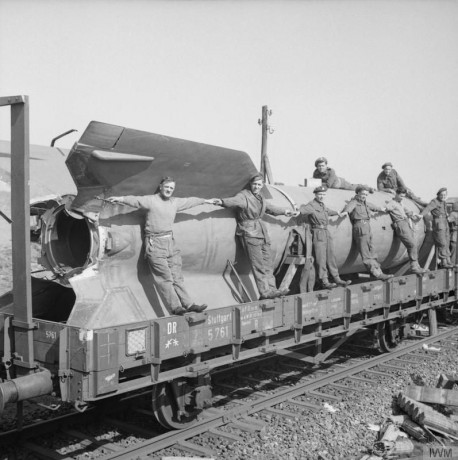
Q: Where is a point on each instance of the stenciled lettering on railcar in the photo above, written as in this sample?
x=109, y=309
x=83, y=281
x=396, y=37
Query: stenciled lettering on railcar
x=172, y=328
x=219, y=318
x=51, y=335
x=218, y=333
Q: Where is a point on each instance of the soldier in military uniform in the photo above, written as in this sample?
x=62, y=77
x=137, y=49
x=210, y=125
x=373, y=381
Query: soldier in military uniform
x=453, y=223
x=389, y=181
x=438, y=209
x=251, y=207
x=359, y=211
x=329, y=177
x=318, y=216
x=163, y=255
x=400, y=216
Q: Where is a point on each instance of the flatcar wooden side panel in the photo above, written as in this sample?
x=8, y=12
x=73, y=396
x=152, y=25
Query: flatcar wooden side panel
x=434, y=282
x=365, y=296
x=403, y=289
x=323, y=305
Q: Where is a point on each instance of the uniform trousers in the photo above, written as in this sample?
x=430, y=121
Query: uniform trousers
x=405, y=234
x=325, y=258
x=164, y=258
x=258, y=250
x=362, y=234
x=416, y=199
x=343, y=184
x=441, y=236
x=453, y=240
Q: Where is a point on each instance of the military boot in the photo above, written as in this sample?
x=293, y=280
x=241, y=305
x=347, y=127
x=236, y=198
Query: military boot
x=196, y=308
x=340, y=282
x=325, y=284
x=377, y=273
x=415, y=268
x=446, y=263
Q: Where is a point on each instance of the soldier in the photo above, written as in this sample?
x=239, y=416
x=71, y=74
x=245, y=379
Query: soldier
x=329, y=178
x=389, y=181
x=251, y=230
x=163, y=256
x=325, y=259
x=359, y=212
x=400, y=215
x=438, y=209
x=453, y=223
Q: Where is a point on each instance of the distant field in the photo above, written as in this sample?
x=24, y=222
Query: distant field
x=5, y=244
x=6, y=266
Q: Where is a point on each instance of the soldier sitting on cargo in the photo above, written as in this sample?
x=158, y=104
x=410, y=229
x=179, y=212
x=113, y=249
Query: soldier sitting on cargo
x=163, y=256
x=400, y=216
x=251, y=230
x=329, y=178
x=359, y=211
x=389, y=181
x=441, y=234
x=325, y=259
x=453, y=223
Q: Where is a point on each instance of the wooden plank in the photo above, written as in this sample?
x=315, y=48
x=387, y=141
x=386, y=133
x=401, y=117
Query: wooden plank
x=432, y=395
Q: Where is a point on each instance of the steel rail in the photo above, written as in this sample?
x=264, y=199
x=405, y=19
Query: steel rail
x=171, y=438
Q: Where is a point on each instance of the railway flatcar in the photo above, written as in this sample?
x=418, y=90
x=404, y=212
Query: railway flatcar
x=93, y=326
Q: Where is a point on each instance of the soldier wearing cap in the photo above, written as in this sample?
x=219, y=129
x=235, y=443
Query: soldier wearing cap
x=359, y=211
x=453, y=223
x=318, y=216
x=400, y=216
x=438, y=209
x=161, y=252
x=251, y=207
x=329, y=177
x=389, y=181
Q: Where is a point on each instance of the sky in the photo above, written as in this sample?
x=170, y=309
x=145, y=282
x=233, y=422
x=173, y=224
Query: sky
x=360, y=82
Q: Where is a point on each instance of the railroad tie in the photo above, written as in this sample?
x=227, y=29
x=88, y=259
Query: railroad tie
x=194, y=448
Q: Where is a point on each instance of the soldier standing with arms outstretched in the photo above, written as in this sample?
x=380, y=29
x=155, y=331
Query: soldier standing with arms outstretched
x=163, y=255
x=359, y=211
x=325, y=259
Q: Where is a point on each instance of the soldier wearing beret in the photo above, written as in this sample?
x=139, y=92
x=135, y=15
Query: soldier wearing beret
x=438, y=209
x=453, y=223
x=400, y=216
x=318, y=216
x=389, y=181
x=329, y=177
x=359, y=211
x=251, y=207
x=161, y=251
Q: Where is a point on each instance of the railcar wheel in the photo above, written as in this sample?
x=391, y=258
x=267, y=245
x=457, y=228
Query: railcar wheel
x=390, y=334
x=167, y=400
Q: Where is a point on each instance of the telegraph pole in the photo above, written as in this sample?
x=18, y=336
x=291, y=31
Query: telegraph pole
x=265, y=169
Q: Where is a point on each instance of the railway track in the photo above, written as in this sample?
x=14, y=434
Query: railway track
x=290, y=392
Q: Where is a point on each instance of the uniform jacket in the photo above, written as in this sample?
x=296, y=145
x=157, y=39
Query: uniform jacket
x=360, y=215
x=160, y=212
x=329, y=177
x=390, y=181
x=398, y=211
x=317, y=213
x=250, y=209
x=438, y=210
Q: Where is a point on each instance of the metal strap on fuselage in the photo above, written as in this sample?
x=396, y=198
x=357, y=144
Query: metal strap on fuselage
x=292, y=202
